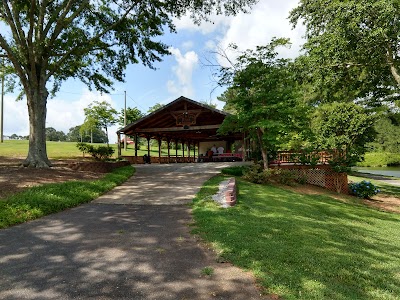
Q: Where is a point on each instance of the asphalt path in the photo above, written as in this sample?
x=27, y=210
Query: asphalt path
x=131, y=243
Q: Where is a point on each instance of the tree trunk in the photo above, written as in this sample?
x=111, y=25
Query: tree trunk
x=391, y=63
x=37, y=154
x=263, y=150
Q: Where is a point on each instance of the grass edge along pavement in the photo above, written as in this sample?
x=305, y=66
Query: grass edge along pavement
x=303, y=246
x=46, y=199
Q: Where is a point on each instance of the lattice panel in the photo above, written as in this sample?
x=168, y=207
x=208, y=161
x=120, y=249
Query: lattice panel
x=337, y=182
x=323, y=177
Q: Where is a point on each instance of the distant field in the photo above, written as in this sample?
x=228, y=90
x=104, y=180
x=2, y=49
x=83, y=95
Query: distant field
x=66, y=150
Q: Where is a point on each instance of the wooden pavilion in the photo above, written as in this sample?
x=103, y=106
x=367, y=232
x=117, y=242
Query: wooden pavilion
x=188, y=122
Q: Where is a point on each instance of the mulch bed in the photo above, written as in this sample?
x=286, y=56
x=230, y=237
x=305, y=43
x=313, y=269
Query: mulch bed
x=14, y=178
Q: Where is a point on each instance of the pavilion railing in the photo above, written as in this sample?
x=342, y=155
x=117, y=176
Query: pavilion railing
x=296, y=157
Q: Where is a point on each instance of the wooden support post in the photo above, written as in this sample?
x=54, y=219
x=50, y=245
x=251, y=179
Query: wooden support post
x=148, y=145
x=159, y=149
x=136, y=145
x=119, y=144
x=183, y=150
x=194, y=151
x=168, y=145
x=188, y=145
x=176, y=150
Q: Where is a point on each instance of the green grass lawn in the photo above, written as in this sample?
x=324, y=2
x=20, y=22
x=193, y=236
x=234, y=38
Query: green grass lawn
x=42, y=200
x=388, y=189
x=304, y=246
x=68, y=150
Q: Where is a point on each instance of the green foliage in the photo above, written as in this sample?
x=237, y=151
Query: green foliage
x=98, y=153
x=387, y=134
x=132, y=115
x=308, y=156
x=155, y=107
x=102, y=152
x=54, y=135
x=76, y=134
x=380, y=159
x=101, y=114
x=351, y=50
x=304, y=246
x=264, y=95
x=344, y=128
x=46, y=199
x=207, y=271
x=84, y=148
x=257, y=174
x=384, y=188
x=363, y=189
x=234, y=171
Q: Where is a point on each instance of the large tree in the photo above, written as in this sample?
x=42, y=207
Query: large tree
x=263, y=95
x=352, y=49
x=49, y=41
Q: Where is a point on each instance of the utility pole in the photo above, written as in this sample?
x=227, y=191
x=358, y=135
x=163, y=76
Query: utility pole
x=125, y=141
x=2, y=103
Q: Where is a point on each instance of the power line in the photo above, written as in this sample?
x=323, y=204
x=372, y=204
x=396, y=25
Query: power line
x=65, y=92
x=137, y=103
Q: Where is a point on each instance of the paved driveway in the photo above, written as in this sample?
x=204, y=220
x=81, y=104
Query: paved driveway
x=132, y=243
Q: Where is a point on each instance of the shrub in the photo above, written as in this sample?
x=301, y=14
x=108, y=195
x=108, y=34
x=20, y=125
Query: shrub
x=257, y=174
x=98, y=153
x=234, y=171
x=84, y=147
x=254, y=174
x=102, y=152
x=363, y=189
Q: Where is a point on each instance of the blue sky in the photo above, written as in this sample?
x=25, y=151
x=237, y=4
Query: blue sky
x=181, y=73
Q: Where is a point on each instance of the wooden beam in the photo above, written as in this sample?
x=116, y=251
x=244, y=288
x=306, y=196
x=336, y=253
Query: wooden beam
x=170, y=129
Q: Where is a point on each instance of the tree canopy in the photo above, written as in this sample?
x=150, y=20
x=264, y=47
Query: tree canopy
x=132, y=115
x=101, y=114
x=155, y=107
x=352, y=49
x=263, y=95
x=47, y=42
x=345, y=128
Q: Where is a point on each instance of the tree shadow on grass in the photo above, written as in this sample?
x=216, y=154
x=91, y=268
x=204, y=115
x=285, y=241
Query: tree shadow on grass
x=307, y=247
x=111, y=252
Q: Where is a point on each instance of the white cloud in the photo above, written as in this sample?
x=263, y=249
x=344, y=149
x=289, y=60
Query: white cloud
x=15, y=117
x=186, y=63
x=268, y=19
x=61, y=114
x=188, y=45
x=216, y=23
